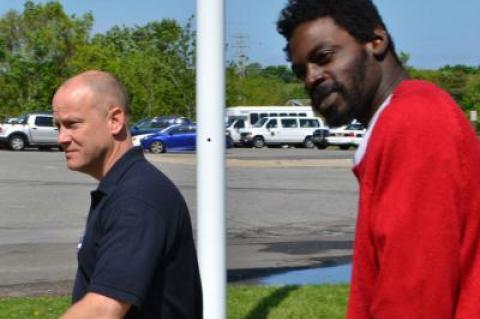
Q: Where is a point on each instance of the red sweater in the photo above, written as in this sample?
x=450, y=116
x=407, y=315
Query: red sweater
x=416, y=252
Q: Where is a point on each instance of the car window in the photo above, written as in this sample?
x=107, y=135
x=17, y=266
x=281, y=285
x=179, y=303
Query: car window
x=44, y=121
x=309, y=123
x=289, y=123
x=272, y=124
x=180, y=130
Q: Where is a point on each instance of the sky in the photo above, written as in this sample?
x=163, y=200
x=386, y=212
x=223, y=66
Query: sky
x=433, y=32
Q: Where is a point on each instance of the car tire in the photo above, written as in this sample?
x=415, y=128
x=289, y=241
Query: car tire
x=16, y=143
x=322, y=146
x=258, y=142
x=344, y=147
x=157, y=147
x=308, y=142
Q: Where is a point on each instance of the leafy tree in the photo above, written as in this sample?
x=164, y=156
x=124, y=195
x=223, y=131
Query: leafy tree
x=262, y=87
x=35, y=51
x=155, y=61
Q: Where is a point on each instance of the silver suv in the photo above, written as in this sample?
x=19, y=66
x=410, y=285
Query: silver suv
x=34, y=129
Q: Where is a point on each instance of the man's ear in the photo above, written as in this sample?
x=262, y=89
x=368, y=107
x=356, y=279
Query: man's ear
x=117, y=119
x=378, y=47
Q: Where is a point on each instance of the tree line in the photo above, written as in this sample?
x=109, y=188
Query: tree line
x=42, y=45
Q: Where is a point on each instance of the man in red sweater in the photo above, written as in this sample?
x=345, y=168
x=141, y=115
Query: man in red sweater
x=416, y=252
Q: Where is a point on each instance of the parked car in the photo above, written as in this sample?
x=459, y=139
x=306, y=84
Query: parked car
x=173, y=138
x=137, y=139
x=347, y=136
x=35, y=129
x=156, y=124
x=319, y=138
x=282, y=131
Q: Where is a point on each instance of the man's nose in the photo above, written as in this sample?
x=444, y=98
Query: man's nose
x=313, y=74
x=64, y=137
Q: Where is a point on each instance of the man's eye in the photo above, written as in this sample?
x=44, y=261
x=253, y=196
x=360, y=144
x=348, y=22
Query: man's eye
x=299, y=71
x=322, y=57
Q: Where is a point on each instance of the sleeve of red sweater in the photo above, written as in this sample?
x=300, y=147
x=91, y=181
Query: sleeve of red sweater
x=414, y=213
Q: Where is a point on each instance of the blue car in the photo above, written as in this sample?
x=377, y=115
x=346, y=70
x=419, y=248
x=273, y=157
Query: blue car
x=174, y=138
x=156, y=124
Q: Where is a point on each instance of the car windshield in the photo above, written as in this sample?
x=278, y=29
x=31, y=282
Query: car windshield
x=145, y=123
x=230, y=121
x=22, y=119
x=355, y=126
x=261, y=122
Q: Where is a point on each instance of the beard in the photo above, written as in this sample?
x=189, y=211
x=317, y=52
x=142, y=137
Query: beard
x=352, y=96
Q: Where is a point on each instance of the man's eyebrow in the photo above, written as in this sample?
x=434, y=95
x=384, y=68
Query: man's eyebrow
x=69, y=119
x=317, y=48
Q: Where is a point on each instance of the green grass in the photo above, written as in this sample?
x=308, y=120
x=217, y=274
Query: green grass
x=299, y=302
x=33, y=307
x=244, y=302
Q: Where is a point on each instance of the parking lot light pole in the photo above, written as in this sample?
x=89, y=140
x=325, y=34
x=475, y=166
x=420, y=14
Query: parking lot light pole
x=211, y=155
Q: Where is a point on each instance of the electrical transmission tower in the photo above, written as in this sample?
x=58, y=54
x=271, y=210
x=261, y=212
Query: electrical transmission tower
x=240, y=45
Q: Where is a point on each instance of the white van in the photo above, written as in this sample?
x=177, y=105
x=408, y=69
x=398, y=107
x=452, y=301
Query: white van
x=282, y=130
x=244, y=117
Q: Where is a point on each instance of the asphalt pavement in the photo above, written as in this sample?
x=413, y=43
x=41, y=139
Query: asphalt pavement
x=286, y=208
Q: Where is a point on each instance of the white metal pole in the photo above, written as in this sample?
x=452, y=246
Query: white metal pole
x=211, y=155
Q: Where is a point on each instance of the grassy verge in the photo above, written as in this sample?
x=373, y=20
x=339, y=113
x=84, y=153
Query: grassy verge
x=244, y=302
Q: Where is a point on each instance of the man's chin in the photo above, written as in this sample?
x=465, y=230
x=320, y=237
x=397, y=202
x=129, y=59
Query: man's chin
x=334, y=118
x=338, y=121
x=73, y=166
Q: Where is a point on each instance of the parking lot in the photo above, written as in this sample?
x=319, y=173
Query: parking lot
x=285, y=208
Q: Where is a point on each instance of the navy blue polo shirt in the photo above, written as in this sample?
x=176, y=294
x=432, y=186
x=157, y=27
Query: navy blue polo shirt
x=138, y=246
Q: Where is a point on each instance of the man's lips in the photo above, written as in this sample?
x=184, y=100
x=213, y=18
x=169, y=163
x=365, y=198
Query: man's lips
x=327, y=101
x=68, y=153
x=324, y=104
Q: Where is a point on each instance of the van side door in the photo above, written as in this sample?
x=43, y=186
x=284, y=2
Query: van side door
x=272, y=134
x=290, y=130
x=307, y=126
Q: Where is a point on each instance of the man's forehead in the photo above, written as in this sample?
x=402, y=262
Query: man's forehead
x=317, y=33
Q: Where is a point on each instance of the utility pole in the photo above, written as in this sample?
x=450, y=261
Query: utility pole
x=240, y=45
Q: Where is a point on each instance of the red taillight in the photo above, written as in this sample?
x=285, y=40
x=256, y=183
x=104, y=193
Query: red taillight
x=351, y=134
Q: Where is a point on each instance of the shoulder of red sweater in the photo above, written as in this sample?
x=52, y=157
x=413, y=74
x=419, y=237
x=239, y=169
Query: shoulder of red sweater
x=423, y=103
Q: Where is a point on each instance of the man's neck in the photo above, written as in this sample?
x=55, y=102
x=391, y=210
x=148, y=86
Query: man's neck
x=390, y=80
x=112, y=157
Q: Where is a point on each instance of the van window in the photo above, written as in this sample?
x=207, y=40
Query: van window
x=272, y=124
x=239, y=124
x=309, y=123
x=253, y=118
x=289, y=123
x=262, y=115
x=302, y=114
x=283, y=114
x=292, y=114
x=273, y=114
x=261, y=122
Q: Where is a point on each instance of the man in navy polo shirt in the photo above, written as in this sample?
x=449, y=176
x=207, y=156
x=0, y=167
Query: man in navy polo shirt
x=137, y=257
